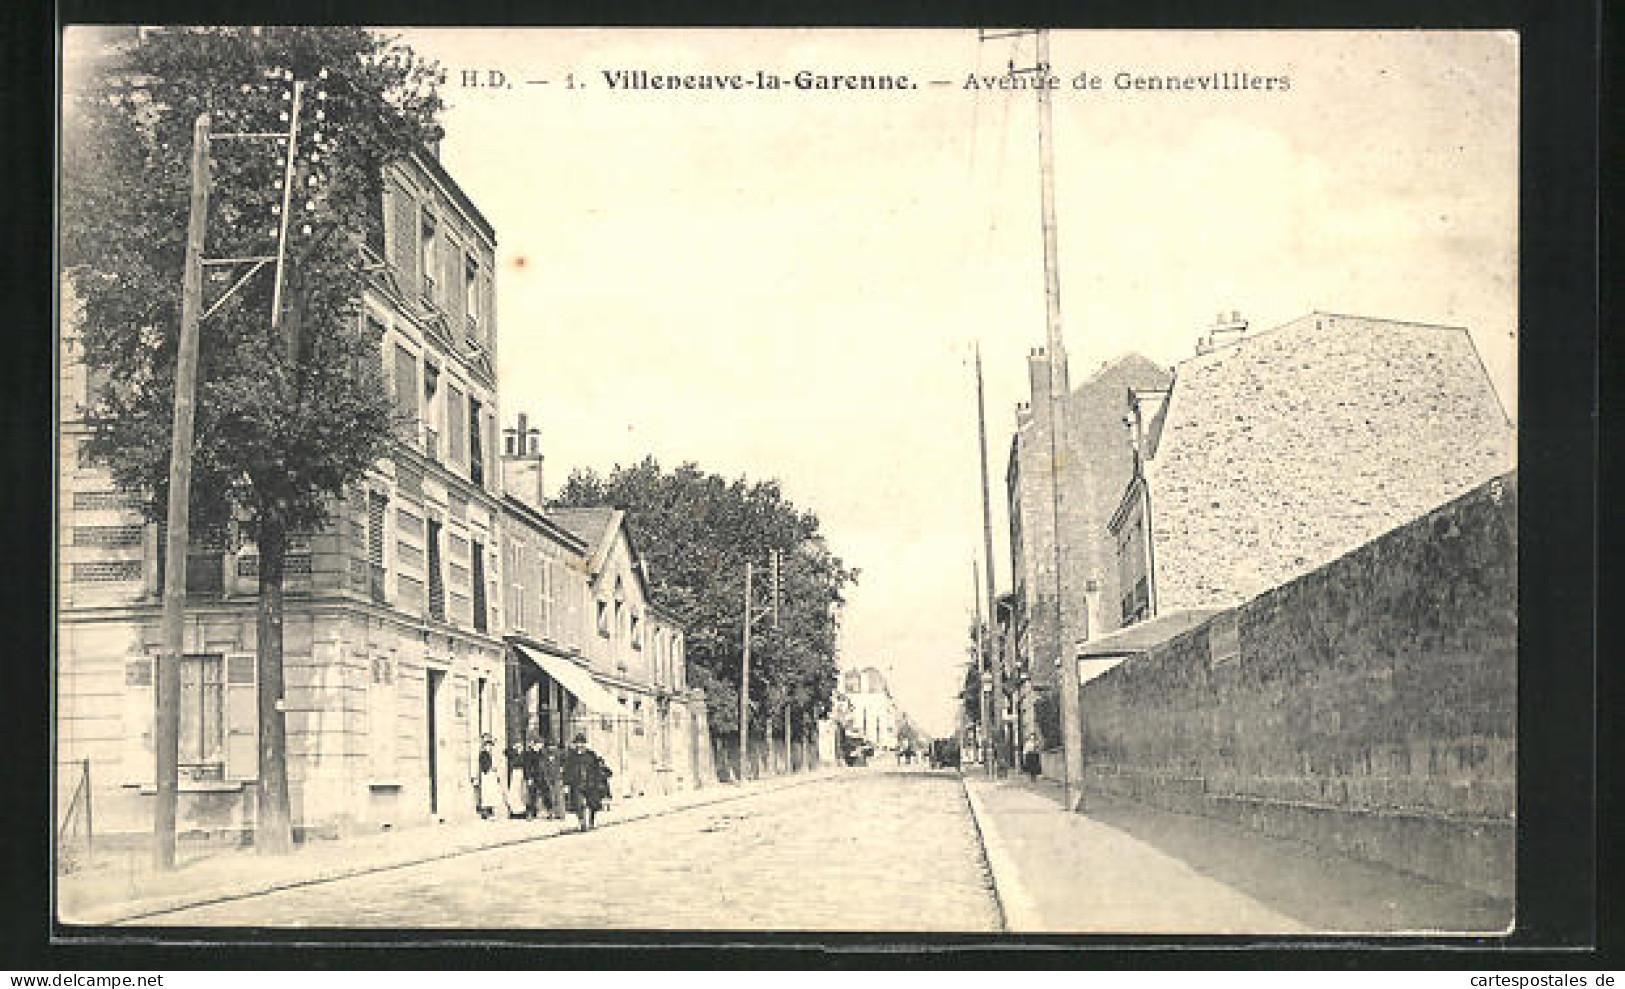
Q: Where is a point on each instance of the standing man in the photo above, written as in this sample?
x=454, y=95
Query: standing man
x=552, y=779
x=587, y=779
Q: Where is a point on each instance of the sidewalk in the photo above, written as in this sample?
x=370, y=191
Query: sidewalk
x=1125, y=867
x=121, y=886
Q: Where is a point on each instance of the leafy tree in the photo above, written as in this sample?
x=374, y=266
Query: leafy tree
x=697, y=530
x=283, y=421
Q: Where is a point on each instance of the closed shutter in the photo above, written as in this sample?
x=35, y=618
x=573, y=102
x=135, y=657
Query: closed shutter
x=406, y=382
x=456, y=435
x=479, y=587
x=242, y=717
x=451, y=275
x=403, y=216
x=140, y=766
x=488, y=312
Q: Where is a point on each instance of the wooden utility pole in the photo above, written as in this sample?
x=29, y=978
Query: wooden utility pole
x=1071, y=689
x=983, y=694
x=744, y=682
x=995, y=657
x=167, y=713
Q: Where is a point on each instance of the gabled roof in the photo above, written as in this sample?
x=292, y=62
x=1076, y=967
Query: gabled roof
x=598, y=526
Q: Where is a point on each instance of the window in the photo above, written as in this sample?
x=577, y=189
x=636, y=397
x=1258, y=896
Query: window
x=476, y=453
x=406, y=384
x=205, y=561
x=456, y=448
x=471, y=292
x=636, y=631
x=377, y=503
x=203, y=715
x=431, y=417
x=603, y=618
x=437, y=583
x=427, y=245
x=478, y=554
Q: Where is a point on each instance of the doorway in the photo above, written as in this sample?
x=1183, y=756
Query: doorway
x=435, y=679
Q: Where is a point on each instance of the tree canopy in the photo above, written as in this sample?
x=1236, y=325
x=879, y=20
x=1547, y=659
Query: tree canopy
x=284, y=420
x=696, y=531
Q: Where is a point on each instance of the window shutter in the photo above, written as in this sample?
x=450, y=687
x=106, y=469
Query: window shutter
x=451, y=275
x=404, y=240
x=140, y=759
x=456, y=420
x=242, y=717
x=488, y=311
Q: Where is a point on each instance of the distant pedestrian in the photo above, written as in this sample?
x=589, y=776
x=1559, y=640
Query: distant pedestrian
x=1031, y=764
x=586, y=779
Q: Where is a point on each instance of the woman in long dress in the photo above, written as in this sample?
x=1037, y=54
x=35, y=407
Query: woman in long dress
x=491, y=791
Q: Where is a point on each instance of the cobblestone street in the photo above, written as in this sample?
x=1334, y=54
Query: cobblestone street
x=876, y=851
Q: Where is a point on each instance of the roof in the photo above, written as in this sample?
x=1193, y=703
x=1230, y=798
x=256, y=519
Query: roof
x=543, y=523
x=1144, y=636
x=1286, y=449
x=598, y=526
x=591, y=525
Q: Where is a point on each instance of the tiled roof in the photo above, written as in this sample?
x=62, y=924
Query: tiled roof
x=590, y=525
x=1291, y=447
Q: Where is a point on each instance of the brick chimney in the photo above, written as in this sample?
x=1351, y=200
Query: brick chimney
x=1226, y=330
x=522, y=463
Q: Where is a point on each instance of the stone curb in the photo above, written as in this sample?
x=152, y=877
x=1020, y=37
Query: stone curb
x=1020, y=913
x=138, y=910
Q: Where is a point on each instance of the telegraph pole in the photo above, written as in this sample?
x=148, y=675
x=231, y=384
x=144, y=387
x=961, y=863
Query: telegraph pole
x=995, y=657
x=166, y=714
x=1071, y=695
x=983, y=693
x=1071, y=690
x=744, y=682
x=166, y=733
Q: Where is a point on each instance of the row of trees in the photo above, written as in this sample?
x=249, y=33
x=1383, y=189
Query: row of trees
x=697, y=531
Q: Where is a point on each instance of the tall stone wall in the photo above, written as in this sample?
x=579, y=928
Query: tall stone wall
x=1368, y=706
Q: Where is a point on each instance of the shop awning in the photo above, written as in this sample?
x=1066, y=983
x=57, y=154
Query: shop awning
x=575, y=680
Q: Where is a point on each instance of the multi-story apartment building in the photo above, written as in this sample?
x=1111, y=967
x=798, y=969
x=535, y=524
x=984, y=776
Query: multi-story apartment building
x=1094, y=464
x=394, y=659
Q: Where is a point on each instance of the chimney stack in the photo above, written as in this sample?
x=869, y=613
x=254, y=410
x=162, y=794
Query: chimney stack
x=522, y=463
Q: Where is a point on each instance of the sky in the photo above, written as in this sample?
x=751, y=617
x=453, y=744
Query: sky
x=789, y=283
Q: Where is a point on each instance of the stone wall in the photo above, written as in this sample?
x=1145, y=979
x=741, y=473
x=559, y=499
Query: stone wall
x=1368, y=706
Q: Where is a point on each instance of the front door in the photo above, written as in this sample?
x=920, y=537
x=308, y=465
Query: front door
x=435, y=679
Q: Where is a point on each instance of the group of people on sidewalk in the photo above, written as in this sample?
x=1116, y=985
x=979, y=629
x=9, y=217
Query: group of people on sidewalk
x=543, y=781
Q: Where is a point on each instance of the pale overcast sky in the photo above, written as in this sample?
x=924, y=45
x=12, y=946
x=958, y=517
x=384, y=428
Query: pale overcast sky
x=788, y=283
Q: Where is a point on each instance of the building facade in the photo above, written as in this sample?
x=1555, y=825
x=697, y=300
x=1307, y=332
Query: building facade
x=1035, y=626
x=866, y=709
x=1276, y=453
x=393, y=655
x=432, y=612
